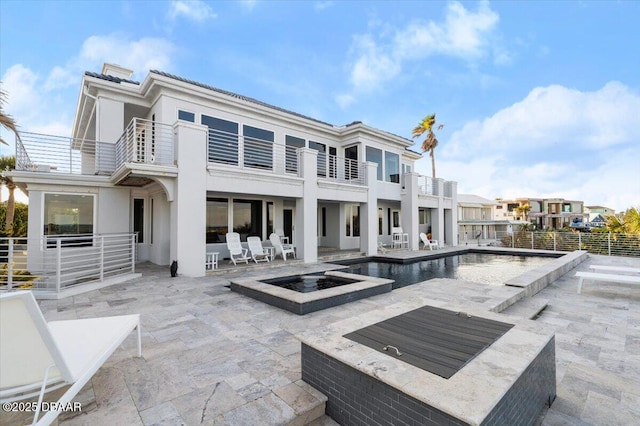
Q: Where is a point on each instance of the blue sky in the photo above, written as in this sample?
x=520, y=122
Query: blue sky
x=538, y=99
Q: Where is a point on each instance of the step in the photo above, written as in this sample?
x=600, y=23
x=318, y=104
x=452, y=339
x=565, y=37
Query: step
x=528, y=307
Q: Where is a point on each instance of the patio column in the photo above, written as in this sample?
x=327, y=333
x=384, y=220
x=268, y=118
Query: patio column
x=369, y=213
x=409, y=209
x=451, y=217
x=437, y=228
x=189, y=206
x=307, y=208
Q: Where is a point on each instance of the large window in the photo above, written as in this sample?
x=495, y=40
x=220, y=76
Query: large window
x=217, y=220
x=322, y=157
x=68, y=214
x=223, y=140
x=269, y=218
x=247, y=218
x=186, y=116
x=352, y=221
x=424, y=216
x=258, y=147
x=351, y=167
x=391, y=167
x=379, y=221
x=375, y=156
x=292, y=144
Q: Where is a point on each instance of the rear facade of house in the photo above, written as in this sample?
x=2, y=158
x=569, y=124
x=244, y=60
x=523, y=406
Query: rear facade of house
x=179, y=164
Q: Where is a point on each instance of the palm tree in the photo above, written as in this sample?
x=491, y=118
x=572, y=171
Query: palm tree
x=523, y=209
x=629, y=223
x=6, y=120
x=8, y=163
x=430, y=142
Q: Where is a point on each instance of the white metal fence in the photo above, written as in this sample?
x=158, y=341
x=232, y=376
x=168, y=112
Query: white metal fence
x=594, y=242
x=145, y=141
x=56, y=262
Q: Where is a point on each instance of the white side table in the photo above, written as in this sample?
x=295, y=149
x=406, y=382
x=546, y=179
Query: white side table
x=211, y=261
x=272, y=252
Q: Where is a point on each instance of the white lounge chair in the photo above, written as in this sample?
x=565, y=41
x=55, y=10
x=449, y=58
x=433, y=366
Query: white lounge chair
x=37, y=357
x=432, y=244
x=280, y=248
x=258, y=253
x=236, y=252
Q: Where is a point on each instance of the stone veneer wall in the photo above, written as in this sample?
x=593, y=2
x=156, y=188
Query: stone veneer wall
x=355, y=398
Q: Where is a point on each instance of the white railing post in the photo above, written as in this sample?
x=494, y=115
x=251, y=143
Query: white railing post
x=609, y=243
x=579, y=240
x=101, y=257
x=10, y=264
x=532, y=244
x=554, y=242
x=58, y=263
x=513, y=240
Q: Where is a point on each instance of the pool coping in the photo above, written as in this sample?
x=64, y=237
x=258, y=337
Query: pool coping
x=469, y=395
x=304, y=303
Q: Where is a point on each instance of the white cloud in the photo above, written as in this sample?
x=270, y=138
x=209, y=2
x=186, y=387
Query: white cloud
x=194, y=10
x=345, y=100
x=555, y=142
x=464, y=34
x=321, y=5
x=140, y=55
x=248, y=4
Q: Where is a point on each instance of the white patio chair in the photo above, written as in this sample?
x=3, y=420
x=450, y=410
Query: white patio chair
x=280, y=249
x=37, y=357
x=396, y=237
x=432, y=244
x=258, y=253
x=236, y=252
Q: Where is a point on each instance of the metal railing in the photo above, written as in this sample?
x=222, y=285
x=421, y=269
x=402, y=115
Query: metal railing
x=47, y=153
x=427, y=186
x=609, y=244
x=55, y=262
x=145, y=141
x=341, y=170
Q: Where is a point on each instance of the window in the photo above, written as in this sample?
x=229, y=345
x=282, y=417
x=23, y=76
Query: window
x=352, y=221
x=512, y=206
x=247, y=218
x=217, y=220
x=223, y=140
x=423, y=216
x=258, y=147
x=322, y=157
x=293, y=144
x=186, y=116
x=68, y=214
x=151, y=223
x=138, y=218
x=406, y=168
x=391, y=167
x=324, y=221
x=566, y=208
x=396, y=218
x=379, y=221
x=351, y=167
x=333, y=152
x=269, y=218
x=375, y=156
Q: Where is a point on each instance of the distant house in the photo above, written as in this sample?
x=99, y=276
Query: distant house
x=544, y=213
x=180, y=163
x=598, y=214
x=477, y=219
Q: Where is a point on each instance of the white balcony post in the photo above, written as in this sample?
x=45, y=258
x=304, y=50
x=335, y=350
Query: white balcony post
x=554, y=242
x=134, y=238
x=532, y=242
x=369, y=212
x=10, y=264
x=579, y=241
x=409, y=211
x=58, y=263
x=609, y=243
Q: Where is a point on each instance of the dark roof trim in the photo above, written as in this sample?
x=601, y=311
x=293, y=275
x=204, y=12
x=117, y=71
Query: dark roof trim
x=110, y=78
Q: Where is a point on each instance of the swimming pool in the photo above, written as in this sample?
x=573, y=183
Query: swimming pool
x=485, y=268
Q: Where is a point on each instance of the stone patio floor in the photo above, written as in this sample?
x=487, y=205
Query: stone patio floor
x=211, y=356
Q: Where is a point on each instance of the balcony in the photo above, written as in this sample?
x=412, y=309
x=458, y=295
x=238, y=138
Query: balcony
x=145, y=147
x=431, y=187
x=232, y=151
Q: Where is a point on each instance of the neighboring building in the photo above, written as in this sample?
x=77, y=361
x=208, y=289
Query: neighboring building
x=543, y=213
x=598, y=215
x=182, y=163
x=477, y=219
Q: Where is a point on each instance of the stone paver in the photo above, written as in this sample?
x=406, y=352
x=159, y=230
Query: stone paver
x=211, y=356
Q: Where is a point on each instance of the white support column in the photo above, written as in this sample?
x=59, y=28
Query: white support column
x=451, y=216
x=189, y=206
x=409, y=209
x=437, y=229
x=369, y=213
x=307, y=208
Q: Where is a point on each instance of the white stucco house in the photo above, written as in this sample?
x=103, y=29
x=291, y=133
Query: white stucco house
x=181, y=163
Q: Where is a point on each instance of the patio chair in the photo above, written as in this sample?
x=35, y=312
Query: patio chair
x=37, y=357
x=258, y=253
x=432, y=244
x=236, y=252
x=281, y=249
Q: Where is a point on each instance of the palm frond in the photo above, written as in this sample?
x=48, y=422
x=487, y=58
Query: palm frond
x=6, y=120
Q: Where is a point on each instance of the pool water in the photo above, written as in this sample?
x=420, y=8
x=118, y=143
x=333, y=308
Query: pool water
x=484, y=268
x=308, y=283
